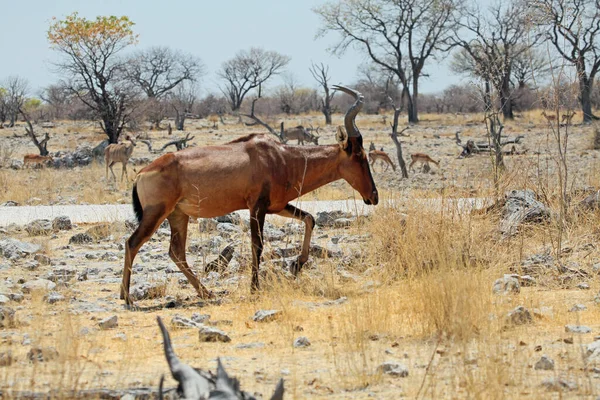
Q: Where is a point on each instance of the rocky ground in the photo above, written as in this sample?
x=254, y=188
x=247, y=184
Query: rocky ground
x=420, y=304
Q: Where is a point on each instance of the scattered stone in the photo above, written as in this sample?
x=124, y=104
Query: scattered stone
x=148, y=290
x=558, y=384
x=301, y=341
x=32, y=265
x=16, y=297
x=545, y=363
x=200, y=318
x=7, y=317
x=391, y=368
x=583, y=286
x=578, y=307
x=12, y=248
x=227, y=229
x=266, y=315
x=527, y=280
x=9, y=203
x=109, y=323
x=328, y=218
x=232, y=218
x=3, y=299
x=62, y=223
x=254, y=345
x=543, y=312
x=506, y=284
x=38, y=354
x=210, y=334
x=38, y=284
x=53, y=297
x=6, y=359
x=181, y=322
x=568, y=340
x=42, y=259
x=519, y=316
x=578, y=329
x=81, y=238
x=39, y=227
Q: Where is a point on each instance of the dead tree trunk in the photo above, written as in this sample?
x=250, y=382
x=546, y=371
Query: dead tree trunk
x=41, y=145
x=258, y=121
x=179, y=143
x=394, y=136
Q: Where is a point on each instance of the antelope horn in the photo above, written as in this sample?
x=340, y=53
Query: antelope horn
x=349, y=122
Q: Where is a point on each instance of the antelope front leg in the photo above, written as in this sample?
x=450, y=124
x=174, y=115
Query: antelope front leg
x=309, y=223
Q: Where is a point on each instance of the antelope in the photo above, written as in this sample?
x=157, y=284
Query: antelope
x=550, y=118
x=300, y=133
x=375, y=155
x=567, y=117
x=422, y=158
x=119, y=152
x=254, y=172
x=36, y=159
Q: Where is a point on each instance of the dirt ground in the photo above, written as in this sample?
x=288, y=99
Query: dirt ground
x=408, y=286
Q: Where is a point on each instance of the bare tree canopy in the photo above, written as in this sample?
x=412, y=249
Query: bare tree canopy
x=248, y=70
x=573, y=27
x=391, y=32
x=158, y=70
x=321, y=74
x=182, y=101
x=14, y=94
x=490, y=43
x=93, y=70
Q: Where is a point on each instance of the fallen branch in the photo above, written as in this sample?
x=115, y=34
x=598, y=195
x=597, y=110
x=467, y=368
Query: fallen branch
x=178, y=143
x=258, y=121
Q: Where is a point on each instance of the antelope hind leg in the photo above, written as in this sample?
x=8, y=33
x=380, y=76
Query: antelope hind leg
x=179, y=226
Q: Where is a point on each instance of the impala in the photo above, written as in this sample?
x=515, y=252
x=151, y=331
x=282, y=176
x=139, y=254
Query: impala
x=567, y=117
x=380, y=155
x=422, y=158
x=550, y=118
x=253, y=172
x=36, y=160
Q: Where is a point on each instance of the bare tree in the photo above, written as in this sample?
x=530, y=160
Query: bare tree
x=40, y=144
x=248, y=70
x=321, y=74
x=527, y=65
x=182, y=101
x=573, y=27
x=15, y=95
x=391, y=32
x=490, y=42
x=93, y=69
x=159, y=70
x=58, y=98
x=287, y=94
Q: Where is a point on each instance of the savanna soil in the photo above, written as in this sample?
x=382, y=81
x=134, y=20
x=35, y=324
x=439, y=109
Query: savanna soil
x=406, y=285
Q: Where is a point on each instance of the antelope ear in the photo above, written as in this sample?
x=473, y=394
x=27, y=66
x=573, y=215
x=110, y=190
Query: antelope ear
x=342, y=137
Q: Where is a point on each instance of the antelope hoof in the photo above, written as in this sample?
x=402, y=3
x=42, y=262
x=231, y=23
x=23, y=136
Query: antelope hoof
x=295, y=266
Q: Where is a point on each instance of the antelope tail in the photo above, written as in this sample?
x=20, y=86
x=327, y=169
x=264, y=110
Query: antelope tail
x=137, y=206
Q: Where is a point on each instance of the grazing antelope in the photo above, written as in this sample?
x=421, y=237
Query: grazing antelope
x=550, y=118
x=376, y=155
x=422, y=158
x=36, y=160
x=567, y=117
x=254, y=172
x=301, y=134
x=119, y=152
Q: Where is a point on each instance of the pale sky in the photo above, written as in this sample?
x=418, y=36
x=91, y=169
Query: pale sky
x=211, y=30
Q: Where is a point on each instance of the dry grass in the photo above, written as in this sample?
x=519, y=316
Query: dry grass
x=418, y=289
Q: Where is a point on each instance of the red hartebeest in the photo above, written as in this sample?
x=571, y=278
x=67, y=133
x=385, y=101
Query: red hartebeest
x=376, y=155
x=253, y=172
